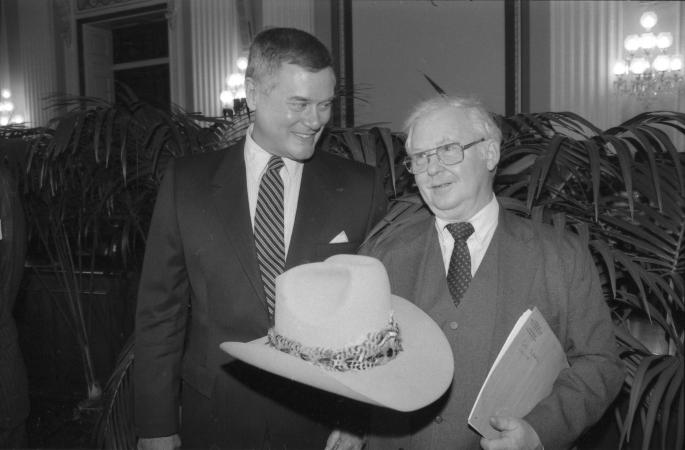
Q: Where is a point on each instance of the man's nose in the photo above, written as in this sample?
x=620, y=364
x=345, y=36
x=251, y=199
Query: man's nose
x=434, y=165
x=313, y=118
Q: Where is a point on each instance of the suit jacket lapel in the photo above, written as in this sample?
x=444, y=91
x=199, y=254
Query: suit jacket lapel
x=431, y=286
x=509, y=288
x=522, y=263
x=230, y=201
x=310, y=215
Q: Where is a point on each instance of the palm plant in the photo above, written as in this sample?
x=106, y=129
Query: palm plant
x=91, y=181
x=623, y=191
x=376, y=146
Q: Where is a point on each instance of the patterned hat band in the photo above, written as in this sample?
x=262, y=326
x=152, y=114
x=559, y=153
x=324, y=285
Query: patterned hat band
x=377, y=349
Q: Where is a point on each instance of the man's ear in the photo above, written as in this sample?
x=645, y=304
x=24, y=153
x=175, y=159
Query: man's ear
x=491, y=154
x=251, y=93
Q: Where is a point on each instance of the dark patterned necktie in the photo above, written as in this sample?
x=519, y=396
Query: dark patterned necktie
x=268, y=230
x=459, y=272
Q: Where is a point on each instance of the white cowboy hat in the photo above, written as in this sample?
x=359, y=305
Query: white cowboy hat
x=338, y=328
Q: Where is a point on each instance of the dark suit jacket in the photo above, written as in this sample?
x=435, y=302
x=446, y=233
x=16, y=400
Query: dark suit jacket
x=14, y=397
x=527, y=264
x=201, y=285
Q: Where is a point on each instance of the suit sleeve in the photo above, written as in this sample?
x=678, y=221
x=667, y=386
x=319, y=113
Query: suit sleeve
x=162, y=308
x=14, y=395
x=379, y=203
x=582, y=392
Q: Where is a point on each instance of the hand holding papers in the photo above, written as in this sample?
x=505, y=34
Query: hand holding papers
x=522, y=375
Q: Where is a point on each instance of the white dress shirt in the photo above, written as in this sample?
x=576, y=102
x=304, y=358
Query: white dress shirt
x=484, y=223
x=256, y=160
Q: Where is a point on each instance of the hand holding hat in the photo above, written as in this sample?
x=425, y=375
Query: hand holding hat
x=338, y=328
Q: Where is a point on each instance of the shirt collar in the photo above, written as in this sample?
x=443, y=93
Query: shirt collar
x=483, y=221
x=258, y=158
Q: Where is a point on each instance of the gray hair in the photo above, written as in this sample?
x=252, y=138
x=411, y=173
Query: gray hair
x=481, y=119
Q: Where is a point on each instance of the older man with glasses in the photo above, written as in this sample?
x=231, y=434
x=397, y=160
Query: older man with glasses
x=475, y=268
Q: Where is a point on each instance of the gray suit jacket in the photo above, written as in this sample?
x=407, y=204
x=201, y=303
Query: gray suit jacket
x=527, y=264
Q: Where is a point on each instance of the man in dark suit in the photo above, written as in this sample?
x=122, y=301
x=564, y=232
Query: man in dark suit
x=509, y=264
x=203, y=281
x=14, y=394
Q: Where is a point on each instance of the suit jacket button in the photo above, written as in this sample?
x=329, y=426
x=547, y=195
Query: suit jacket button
x=454, y=325
x=438, y=419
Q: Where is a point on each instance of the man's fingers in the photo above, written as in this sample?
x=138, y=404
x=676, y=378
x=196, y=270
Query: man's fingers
x=332, y=441
x=501, y=423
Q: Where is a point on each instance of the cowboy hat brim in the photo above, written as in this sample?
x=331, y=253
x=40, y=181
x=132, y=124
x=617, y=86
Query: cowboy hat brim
x=418, y=376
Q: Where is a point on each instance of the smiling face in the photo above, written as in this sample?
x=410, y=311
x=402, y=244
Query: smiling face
x=456, y=192
x=291, y=108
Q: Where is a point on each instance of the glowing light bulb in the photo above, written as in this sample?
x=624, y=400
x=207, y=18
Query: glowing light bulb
x=632, y=43
x=620, y=68
x=6, y=93
x=6, y=106
x=226, y=98
x=241, y=63
x=664, y=40
x=676, y=63
x=661, y=63
x=235, y=80
x=647, y=41
x=648, y=20
x=639, y=65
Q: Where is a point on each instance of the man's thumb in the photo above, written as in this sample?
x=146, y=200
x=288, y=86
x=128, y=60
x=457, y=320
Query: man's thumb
x=501, y=423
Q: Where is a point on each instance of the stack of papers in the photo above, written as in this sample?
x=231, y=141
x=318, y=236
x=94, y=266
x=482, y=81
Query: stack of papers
x=523, y=373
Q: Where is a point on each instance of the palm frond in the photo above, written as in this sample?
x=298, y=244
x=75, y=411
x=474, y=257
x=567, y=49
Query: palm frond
x=114, y=429
x=624, y=187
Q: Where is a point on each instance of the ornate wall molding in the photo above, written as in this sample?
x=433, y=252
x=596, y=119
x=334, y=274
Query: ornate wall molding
x=89, y=8
x=64, y=20
x=84, y=5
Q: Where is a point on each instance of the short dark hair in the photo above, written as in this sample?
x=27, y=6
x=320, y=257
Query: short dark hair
x=275, y=46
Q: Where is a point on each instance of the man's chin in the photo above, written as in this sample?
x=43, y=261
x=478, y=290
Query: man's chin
x=446, y=211
x=301, y=154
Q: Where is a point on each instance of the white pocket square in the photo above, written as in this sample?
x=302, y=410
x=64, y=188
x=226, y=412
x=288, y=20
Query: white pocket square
x=341, y=238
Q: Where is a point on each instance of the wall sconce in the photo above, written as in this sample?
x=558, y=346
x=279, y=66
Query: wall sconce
x=233, y=102
x=7, y=115
x=647, y=69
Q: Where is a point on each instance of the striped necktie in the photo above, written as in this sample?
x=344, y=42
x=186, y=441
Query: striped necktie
x=459, y=272
x=268, y=230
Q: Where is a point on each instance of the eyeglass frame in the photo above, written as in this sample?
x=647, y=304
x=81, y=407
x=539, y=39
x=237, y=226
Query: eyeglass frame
x=436, y=151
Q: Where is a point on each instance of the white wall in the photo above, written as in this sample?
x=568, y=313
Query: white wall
x=459, y=44
x=28, y=58
x=587, y=40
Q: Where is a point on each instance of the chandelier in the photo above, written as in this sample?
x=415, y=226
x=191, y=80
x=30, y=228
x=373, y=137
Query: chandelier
x=648, y=69
x=7, y=114
x=232, y=100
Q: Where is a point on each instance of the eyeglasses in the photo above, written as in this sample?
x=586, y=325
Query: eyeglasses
x=448, y=154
